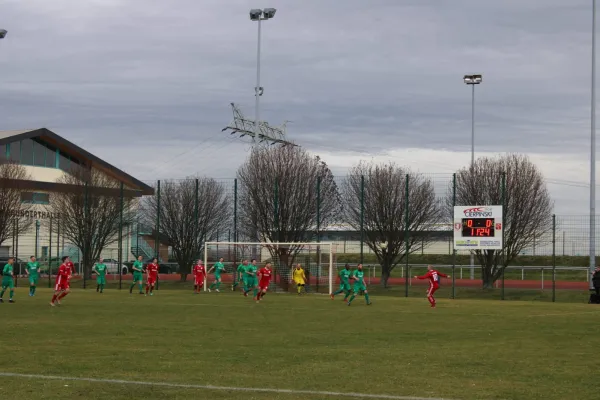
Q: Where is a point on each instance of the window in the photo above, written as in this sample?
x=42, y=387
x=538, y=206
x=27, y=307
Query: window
x=39, y=154
x=27, y=152
x=15, y=151
x=50, y=156
x=35, y=198
x=63, y=162
x=44, y=252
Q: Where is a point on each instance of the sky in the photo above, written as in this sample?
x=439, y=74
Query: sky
x=147, y=85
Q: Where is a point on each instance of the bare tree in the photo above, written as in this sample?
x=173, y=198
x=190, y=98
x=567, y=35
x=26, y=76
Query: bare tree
x=179, y=204
x=14, y=215
x=384, y=211
x=527, y=213
x=286, y=193
x=89, y=211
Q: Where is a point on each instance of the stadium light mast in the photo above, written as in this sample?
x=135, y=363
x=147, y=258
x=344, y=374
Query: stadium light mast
x=593, y=153
x=259, y=15
x=243, y=126
x=473, y=80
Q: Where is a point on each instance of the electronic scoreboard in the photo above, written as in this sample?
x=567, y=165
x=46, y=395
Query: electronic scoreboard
x=478, y=227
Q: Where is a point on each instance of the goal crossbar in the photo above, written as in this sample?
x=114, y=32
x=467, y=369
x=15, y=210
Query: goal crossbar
x=274, y=244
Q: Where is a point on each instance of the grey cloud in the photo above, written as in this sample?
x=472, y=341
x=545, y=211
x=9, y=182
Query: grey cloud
x=122, y=77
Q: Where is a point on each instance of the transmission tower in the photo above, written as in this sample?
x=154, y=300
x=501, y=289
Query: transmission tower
x=265, y=134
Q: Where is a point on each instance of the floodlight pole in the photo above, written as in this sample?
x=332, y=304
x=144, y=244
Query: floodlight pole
x=593, y=153
x=472, y=272
x=472, y=126
x=472, y=81
x=257, y=89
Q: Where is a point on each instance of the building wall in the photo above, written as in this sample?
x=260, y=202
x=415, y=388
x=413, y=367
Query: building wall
x=44, y=174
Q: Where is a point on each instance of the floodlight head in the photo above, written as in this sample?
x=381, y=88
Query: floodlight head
x=473, y=79
x=269, y=13
x=255, y=14
x=3, y=33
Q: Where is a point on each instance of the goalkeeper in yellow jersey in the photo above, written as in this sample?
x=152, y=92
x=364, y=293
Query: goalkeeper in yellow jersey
x=299, y=278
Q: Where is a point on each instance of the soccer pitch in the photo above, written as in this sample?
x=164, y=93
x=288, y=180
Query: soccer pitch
x=177, y=345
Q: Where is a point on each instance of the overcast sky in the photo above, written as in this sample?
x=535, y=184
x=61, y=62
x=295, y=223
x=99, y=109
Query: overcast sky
x=146, y=85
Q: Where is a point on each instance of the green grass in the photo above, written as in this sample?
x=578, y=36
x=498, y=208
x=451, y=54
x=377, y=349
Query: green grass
x=464, y=349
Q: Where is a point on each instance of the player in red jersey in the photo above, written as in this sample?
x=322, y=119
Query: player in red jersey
x=61, y=287
x=199, y=272
x=434, y=282
x=265, y=278
x=151, y=276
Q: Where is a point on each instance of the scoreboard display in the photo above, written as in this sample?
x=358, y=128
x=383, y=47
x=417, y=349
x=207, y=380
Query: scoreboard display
x=478, y=227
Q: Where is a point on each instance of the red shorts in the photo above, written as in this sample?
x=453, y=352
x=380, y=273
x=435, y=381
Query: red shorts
x=152, y=279
x=61, y=284
x=432, y=289
x=199, y=280
x=263, y=285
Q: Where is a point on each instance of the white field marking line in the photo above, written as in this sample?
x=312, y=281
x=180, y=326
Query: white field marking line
x=211, y=387
x=565, y=313
x=399, y=311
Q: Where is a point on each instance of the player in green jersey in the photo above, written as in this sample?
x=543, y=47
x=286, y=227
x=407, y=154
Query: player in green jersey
x=240, y=275
x=359, y=284
x=218, y=268
x=8, y=281
x=100, y=270
x=138, y=275
x=251, y=279
x=344, y=283
x=33, y=272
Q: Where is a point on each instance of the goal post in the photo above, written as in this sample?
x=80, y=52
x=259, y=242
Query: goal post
x=317, y=259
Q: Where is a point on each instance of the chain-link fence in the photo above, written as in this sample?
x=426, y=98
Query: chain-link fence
x=546, y=256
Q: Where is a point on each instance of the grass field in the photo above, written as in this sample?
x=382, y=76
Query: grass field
x=399, y=347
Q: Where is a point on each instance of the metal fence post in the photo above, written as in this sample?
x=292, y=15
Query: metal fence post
x=406, y=233
x=276, y=208
x=503, y=189
x=49, y=270
x=362, y=219
x=87, y=234
x=453, y=249
x=553, y=258
x=318, y=232
x=120, y=258
x=196, y=216
x=235, y=212
x=17, y=249
x=157, y=235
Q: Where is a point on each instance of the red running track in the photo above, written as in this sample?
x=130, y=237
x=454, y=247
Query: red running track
x=476, y=283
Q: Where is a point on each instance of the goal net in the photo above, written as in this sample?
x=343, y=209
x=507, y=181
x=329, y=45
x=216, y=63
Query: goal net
x=317, y=259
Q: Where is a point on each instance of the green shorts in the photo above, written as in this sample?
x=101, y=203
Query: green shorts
x=345, y=286
x=217, y=277
x=359, y=287
x=33, y=280
x=8, y=282
x=251, y=281
x=101, y=280
x=137, y=276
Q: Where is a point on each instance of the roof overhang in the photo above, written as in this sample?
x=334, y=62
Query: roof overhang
x=74, y=150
